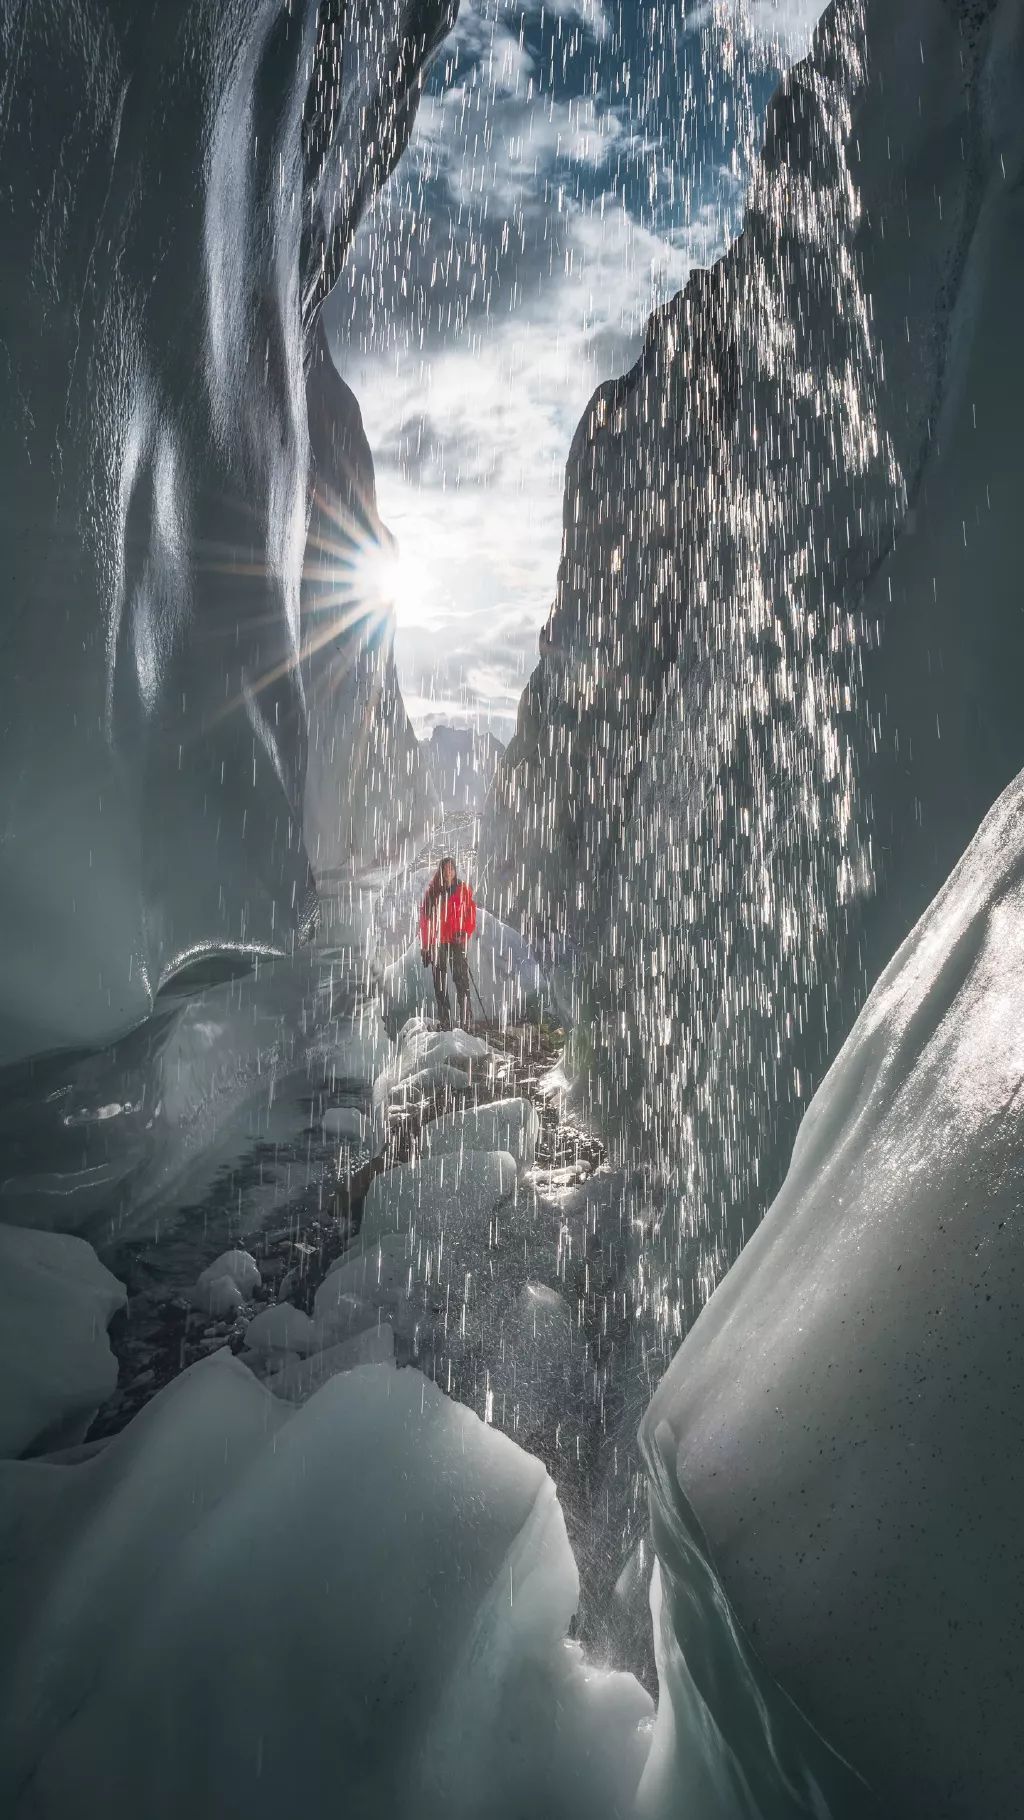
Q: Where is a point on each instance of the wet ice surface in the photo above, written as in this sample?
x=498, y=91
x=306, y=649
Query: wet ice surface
x=279, y=1096
x=239, y=1604
x=538, y=1344
x=56, y=1365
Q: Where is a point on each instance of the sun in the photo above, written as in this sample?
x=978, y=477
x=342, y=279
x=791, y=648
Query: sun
x=386, y=578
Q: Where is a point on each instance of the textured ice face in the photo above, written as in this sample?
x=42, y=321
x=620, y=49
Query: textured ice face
x=186, y=187
x=845, y=1417
x=507, y=979
x=238, y=1608
x=120, y=1138
x=776, y=680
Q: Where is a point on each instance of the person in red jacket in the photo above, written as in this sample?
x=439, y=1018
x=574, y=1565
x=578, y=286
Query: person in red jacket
x=447, y=920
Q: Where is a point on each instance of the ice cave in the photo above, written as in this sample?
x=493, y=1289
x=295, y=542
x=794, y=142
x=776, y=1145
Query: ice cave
x=512, y=909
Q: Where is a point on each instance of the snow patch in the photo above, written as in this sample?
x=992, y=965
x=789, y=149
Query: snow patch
x=845, y=1417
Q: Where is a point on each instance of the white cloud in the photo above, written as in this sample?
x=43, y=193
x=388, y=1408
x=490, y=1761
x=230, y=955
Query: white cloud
x=592, y=15
x=781, y=29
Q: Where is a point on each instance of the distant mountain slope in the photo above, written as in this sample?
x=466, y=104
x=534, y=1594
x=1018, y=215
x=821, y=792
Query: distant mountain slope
x=462, y=762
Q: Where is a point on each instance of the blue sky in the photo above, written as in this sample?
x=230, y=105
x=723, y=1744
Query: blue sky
x=571, y=162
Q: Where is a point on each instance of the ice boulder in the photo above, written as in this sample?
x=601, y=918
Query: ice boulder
x=301, y=1377
x=56, y=1366
x=422, y=1047
x=239, y=1267
x=241, y=1608
x=510, y=1125
x=374, y=1274
x=845, y=1421
x=347, y=1124
x=509, y=980
x=217, y=1295
x=443, y=1194
x=281, y=1329
x=422, y=1084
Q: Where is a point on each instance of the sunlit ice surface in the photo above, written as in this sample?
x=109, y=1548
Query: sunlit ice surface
x=387, y=578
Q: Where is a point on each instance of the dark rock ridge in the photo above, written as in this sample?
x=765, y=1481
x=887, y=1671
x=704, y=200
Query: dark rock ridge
x=780, y=684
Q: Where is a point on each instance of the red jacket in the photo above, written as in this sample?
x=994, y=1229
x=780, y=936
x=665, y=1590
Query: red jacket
x=448, y=917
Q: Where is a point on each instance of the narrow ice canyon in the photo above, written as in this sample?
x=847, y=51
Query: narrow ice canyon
x=606, y=1403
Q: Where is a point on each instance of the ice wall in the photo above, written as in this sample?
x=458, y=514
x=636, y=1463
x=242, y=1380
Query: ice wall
x=845, y=1419
x=779, y=685
x=360, y=1604
x=181, y=187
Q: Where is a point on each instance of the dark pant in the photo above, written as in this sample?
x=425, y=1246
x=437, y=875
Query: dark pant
x=452, y=954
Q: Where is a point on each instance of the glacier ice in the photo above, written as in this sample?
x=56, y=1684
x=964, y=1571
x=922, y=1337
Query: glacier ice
x=441, y=1195
x=462, y=762
x=281, y=1328
x=845, y=1417
x=56, y=1366
x=780, y=758
x=412, y=1655
x=239, y=1267
x=217, y=1295
x=347, y=1122
x=298, y=1378
x=131, y=1132
x=337, y=1312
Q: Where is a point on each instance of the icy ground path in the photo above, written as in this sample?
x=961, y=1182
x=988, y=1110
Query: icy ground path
x=275, y=1160
x=234, y=1118
x=533, y=1329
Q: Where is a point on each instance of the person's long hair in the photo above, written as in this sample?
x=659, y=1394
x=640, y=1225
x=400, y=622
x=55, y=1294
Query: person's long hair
x=437, y=887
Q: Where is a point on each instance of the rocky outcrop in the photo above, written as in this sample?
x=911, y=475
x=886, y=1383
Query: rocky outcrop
x=181, y=185
x=780, y=680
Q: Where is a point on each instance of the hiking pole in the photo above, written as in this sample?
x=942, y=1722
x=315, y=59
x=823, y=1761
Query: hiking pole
x=476, y=989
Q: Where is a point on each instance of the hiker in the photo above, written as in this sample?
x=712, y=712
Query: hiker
x=447, y=920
